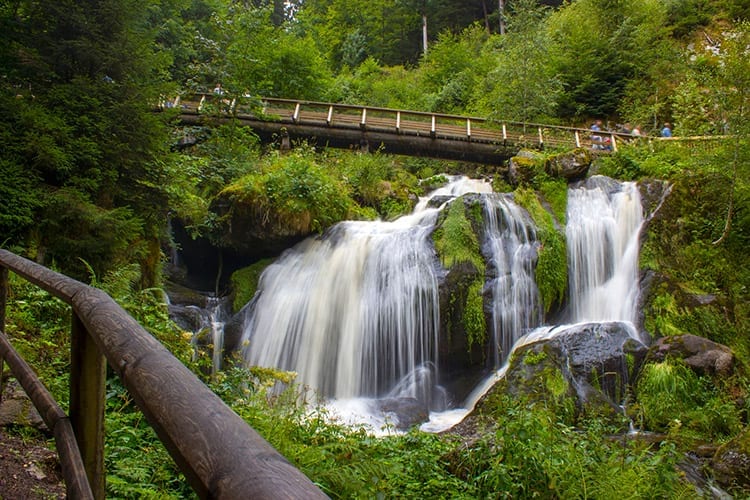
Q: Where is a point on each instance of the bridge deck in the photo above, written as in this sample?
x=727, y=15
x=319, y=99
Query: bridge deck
x=394, y=131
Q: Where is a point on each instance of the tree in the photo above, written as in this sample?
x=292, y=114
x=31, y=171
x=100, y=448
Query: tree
x=601, y=45
x=522, y=86
x=86, y=74
x=732, y=91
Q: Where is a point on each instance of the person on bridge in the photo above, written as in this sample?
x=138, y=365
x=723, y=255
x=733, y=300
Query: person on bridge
x=596, y=140
x=218, y=90
x=667, y=130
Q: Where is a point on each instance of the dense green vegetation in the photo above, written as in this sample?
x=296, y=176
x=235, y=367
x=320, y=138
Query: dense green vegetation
x=90, y=175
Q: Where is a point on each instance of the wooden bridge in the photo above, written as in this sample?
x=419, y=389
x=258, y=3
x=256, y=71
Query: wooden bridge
x=402, y=132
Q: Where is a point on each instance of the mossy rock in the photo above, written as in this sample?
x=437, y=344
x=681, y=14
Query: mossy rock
x=245, y=283
x=524, y=167
x=587, y=365
x=570, y=165
x=252, y=229
x=463, y=322
x=731, y=463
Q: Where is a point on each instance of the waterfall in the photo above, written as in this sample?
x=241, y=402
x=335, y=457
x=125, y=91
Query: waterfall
x=511, y=247
x=216, y=319
x=355, y=311
x=604, y=221
x=212, y=318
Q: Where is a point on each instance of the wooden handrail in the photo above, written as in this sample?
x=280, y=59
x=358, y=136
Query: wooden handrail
x=220, y=454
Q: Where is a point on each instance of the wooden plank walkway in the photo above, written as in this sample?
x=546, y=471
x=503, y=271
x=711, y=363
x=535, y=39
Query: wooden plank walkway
x=394, y=131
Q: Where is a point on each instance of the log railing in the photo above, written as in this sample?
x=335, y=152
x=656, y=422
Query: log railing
x=219, y=454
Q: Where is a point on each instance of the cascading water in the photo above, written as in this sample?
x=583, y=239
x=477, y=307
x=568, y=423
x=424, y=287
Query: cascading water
x=512, y=249
x=212, y=320
x=604, y=221
x=355, y=312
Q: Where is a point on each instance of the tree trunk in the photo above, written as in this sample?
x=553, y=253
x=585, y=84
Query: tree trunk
x=730, y=209
x=501, y=15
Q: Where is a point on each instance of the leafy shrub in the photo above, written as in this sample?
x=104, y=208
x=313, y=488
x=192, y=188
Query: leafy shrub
x=672, y=398
x=296, y=190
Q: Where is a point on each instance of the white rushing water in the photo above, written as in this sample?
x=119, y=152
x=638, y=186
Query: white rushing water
x=604, y=219
x=512, y=246
x=602, y=234
x=355, y=312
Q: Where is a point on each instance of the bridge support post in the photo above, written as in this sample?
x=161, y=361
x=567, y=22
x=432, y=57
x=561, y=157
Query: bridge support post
x=87, y=380
x=286, y=143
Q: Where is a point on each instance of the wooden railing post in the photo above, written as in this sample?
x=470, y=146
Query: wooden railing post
x=3, y=295
x=87, y=380
x=3, y=304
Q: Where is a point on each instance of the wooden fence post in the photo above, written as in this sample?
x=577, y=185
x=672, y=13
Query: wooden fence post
x=3, y=304
x=3, y=295
x=87, y=379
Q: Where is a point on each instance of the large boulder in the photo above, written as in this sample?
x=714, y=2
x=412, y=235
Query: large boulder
x=704, y=356
x=256, y=231
x=523, y=167
x=569, y=165
x=592, y=362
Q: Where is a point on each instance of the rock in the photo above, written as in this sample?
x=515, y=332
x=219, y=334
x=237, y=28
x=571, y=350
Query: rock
x=255, y=231
x=17, y=409
x=731, y=464
x=704, y=356
x=405, y=412
x=570, y=165
x=523, y=167
x=189, y=318
x=593, y=362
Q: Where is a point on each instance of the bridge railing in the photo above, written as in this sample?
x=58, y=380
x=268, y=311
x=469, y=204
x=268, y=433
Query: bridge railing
x=219, y=454
x=426, y=124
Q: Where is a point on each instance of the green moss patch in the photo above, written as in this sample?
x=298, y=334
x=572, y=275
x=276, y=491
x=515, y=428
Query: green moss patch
x=552, y=264
x=245, y=283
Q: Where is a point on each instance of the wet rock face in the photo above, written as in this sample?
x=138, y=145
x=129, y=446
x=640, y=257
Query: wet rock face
x=596, y=362
x=704, y=356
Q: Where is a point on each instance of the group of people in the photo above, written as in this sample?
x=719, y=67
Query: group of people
x=600, y=142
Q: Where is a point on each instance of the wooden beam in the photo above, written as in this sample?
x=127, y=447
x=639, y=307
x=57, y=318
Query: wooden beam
x=74, y=472
x=87, y=386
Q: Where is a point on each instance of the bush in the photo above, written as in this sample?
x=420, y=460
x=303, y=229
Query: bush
x=674, y=399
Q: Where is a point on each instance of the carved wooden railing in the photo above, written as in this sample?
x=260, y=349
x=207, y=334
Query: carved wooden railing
x=219, y=454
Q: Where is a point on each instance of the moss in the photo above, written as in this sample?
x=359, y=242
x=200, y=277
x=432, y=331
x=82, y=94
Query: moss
x=552, y=264
x=555, y=192
x=292, y=191
x=533, y=358
x=455, y=240
x=555, y=383
x=456, y=243
x=245, y=283
x=474, y=320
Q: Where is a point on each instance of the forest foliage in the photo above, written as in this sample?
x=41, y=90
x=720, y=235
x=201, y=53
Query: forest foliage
x=91, y=175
